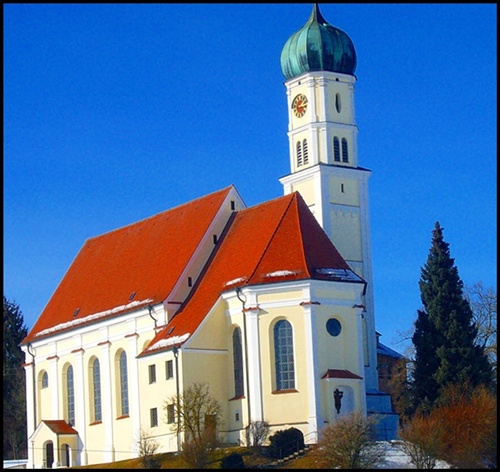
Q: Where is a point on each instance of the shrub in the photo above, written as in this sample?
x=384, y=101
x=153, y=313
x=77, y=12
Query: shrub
x=147, y=447
x=349, y=444
x=421, y=441
x=256, y=433
x=232, y=461
x=469, y=417
x=286, y=442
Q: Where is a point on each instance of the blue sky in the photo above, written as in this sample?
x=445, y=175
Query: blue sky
x=116, y=112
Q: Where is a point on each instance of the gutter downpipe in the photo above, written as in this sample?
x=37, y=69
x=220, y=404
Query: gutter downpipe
x=32, y=354
x=238, y=293
x=151, y=309
x=176, y=355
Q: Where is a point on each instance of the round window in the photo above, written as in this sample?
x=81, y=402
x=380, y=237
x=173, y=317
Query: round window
x=333, y=327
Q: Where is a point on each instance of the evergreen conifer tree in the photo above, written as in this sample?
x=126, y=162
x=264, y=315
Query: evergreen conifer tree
x=14, y=382
x=444, y=337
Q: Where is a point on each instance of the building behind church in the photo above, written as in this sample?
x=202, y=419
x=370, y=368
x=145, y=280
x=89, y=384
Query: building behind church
x=271, y=305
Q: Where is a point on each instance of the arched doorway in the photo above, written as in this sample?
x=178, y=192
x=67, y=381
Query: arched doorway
x=48, y=454
x=65, y=455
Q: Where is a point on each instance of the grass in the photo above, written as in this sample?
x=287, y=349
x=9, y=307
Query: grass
x=171, y=460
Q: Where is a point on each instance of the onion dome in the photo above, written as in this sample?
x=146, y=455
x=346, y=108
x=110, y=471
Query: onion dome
x=318, y=46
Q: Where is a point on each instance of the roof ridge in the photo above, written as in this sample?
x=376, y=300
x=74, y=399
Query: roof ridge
x=168, y=210
x=292, y=197
x=207, y=264
x=302, y=242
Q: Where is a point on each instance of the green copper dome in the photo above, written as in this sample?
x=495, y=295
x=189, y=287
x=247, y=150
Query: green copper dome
x=318, y=46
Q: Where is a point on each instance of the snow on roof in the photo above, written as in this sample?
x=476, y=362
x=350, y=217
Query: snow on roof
x=342, y=274
x=95, y=316
x=235, y=281
x=162, y=343
x=282, y=273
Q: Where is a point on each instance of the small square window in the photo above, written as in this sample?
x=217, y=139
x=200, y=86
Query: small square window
x=152, y=374
x=153, y=413
x=169, y=369
x=170, y=414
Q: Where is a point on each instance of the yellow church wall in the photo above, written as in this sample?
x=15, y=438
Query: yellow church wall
x=210, y=335
x=333, y=294
x=281, y=296
x=344, y=191
x=95, y=444
x=337, y=352
x=333, y=88
x=306, y=190
x=283, y=408
x=205, y=366
x=346, y=228
x=155, y=394
x=237, y=408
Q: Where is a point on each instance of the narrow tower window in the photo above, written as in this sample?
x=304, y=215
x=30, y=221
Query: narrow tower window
x=345, y=155
x=338, y=104
x=306, y=154
x=299, y=154
x=336, y=149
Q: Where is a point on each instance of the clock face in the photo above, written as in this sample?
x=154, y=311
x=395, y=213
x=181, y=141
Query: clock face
x=299, y=105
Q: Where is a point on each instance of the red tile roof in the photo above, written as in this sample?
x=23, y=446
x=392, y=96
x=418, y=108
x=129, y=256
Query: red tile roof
x=60, y=427
x=279, y=240
x=276, y=241
x=146, y=257
x=340, y=374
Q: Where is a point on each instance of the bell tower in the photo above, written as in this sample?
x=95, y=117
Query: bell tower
x=318, y=62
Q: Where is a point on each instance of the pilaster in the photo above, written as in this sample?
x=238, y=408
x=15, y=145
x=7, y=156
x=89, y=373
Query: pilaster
x=107, y=399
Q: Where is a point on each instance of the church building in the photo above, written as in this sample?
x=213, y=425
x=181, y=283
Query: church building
x=271, y=305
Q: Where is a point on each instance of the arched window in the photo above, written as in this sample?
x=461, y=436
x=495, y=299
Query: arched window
x=345, y=156
x=96, y=383
x=283, y=353
x=336, y=149
x=305, y=151
x=123, y=384
x=70, y=396
x=338, y=104
x=45, y=380
x=299, y=154
x=238, y=363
